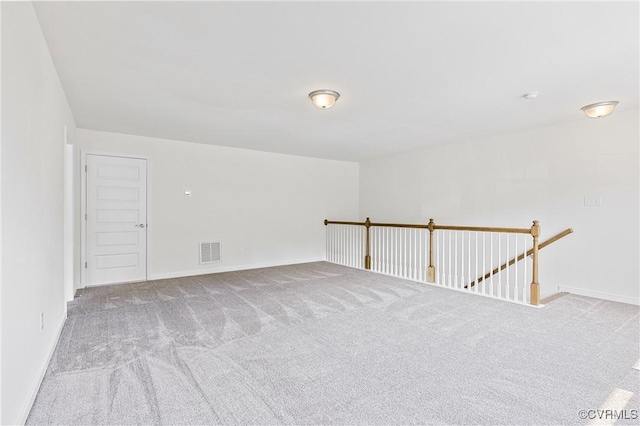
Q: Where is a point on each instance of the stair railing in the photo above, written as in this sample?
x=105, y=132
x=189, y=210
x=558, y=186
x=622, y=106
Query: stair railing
x=445, y=255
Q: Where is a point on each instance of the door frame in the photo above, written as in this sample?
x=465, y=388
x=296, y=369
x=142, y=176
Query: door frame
x=83, y=209
x=69, y=217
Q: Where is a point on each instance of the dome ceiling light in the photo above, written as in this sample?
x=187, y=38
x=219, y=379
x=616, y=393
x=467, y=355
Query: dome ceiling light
x=324, y=99
x=599, y=109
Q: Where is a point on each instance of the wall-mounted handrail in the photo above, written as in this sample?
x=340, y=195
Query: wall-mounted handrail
x=363, y=246
x=522, y=256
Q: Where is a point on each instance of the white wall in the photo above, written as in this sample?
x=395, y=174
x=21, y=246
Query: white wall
x=271, y=204
x=543, y=174
x=34, y=113
x=0, y=214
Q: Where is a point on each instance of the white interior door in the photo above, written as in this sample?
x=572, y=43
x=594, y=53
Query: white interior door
x=116, y=219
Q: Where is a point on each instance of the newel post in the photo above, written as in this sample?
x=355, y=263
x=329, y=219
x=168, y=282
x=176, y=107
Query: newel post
x=431, y=271
x=367, y=256
x=535, y=286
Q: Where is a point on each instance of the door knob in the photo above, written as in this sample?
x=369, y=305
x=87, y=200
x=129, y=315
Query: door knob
x=142, y=225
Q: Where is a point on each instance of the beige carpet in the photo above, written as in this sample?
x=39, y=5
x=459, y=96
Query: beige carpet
x=324, y=344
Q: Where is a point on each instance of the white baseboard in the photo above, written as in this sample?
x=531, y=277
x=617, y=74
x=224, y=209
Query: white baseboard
x=213, y=270
x=43, y=370
x=600, y=295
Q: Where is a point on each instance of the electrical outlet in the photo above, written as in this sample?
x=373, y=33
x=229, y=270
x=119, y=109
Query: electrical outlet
x=41, y=321
x=592, y=202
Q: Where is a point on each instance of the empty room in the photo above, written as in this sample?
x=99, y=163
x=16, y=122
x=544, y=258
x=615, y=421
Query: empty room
x=261, y=213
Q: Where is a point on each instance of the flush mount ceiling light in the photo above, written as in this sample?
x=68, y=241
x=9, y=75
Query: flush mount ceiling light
x=599, y=109
x=324, y=99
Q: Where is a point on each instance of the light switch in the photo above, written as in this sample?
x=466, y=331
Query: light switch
x=187, y=193
x=592, y=202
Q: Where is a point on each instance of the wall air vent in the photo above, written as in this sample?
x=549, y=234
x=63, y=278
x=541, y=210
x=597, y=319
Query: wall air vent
x=210, y=252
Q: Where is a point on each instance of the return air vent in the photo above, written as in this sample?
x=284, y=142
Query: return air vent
x=210, y=252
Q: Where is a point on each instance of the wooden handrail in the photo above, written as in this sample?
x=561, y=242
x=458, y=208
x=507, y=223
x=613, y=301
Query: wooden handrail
x=400, y=225
x=435, y=227
x=483, y=229
x=521, y=256
x=335, y=222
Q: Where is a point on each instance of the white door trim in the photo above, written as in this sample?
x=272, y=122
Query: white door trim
x=83, y=208
x=69, y=219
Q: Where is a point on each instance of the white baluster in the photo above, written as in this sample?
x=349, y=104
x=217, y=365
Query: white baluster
x=360, y=246
x=352, y=246
x=345, y=258
x=515, y=266
x=507, y=286
x=334, y=241
x=326, y=243
x=377, y=247
x=349, y=252
x=403, y=247
x=389, y=250
x=407, y=252
x=396, y=263
x=455, y=264
x=380, y=237
x=385, y=246
x=525, y=283
x=441, y=257
x=450, y=261
x=335, y=244
x=444, y=257
x=381, y=249
x=347, y=245
x=356, y=246
x=491, y=263
x=484, y=262
x=338, y=244
x=404, y=252
x=329, y=243
x=341, y=245
x=469, y=261
x=372, y=235
x=390, y=245
x=416, y=251
x=475, y=289
x=499, y=263
x=421, y=276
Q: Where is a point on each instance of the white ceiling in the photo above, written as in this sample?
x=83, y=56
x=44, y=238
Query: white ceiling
x=410, y=74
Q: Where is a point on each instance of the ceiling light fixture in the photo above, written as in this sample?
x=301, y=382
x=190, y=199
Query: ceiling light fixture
x=324, y=99
x=599, y=109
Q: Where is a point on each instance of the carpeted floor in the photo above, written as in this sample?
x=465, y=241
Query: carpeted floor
x=324, y=344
